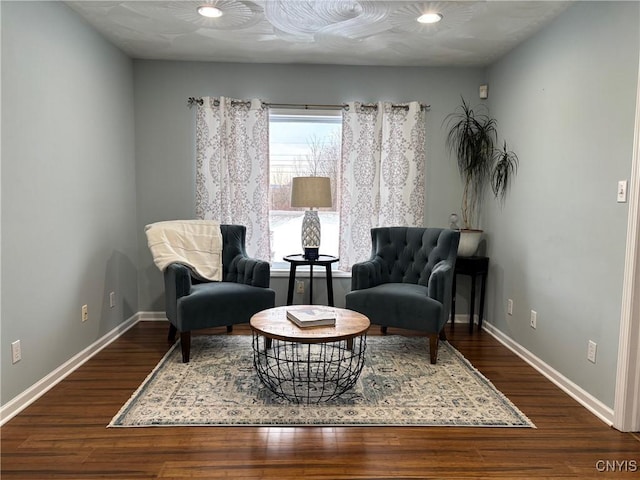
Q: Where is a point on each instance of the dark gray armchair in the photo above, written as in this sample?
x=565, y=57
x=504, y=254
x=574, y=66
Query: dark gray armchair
x=193, y=304
x=407, y=281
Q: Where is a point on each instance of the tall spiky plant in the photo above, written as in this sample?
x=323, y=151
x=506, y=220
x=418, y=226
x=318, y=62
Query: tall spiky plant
x=506, y=166
x=471, y=139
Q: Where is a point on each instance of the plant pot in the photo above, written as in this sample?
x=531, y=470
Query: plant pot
x=469, y=241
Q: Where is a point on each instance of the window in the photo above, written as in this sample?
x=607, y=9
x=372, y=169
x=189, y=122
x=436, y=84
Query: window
x=302, y=143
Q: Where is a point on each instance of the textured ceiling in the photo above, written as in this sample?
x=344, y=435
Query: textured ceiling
x=348, y=32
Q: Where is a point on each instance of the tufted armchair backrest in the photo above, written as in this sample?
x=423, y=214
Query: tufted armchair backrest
x=409, y=254
x=237, y=266
x=233, y=244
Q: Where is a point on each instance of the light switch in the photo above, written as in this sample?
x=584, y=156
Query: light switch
x=622, y=191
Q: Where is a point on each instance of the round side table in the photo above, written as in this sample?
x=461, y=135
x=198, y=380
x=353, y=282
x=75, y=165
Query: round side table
x=322, y=260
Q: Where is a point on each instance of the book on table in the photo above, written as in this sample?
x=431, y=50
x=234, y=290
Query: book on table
x=312, y=317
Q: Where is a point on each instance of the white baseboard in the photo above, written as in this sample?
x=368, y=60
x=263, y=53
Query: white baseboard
x=152, y=316
x=583, y=397
x=464, y=318
x=30, y=395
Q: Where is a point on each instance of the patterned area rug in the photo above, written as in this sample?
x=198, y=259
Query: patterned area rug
x=398, y=386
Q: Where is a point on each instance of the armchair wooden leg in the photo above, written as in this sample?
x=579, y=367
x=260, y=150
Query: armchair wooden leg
x=433, y=348
x=383, y=330
x=185, y=343
x=229, y=328
x=171, y=337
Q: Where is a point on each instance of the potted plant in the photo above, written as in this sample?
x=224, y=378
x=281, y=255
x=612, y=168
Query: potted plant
x=471, y=138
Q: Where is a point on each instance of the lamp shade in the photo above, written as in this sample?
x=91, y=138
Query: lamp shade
x=313, y=192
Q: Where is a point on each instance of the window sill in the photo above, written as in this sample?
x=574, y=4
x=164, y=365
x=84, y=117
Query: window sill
x=303, y=272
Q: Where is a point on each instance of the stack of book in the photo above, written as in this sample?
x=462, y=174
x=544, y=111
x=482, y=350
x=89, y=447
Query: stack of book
x=312, y=317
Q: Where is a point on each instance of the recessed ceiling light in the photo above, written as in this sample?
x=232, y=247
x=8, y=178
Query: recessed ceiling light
x=430, y=18
x=209, y=11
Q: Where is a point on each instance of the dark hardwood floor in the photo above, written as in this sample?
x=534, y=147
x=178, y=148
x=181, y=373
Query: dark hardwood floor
x=64, y=434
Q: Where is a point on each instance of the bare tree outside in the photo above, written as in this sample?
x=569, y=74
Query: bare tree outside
x=280, y=189
x=322, y=160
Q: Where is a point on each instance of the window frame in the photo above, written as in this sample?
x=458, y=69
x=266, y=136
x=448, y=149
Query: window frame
x=307, y=116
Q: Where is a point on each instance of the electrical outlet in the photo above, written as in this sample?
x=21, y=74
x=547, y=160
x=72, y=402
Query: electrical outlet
x=16, y=352
x=509, y=307
x=591, y=351
x=112, y=299
x=85, y=313
x=534, y=319
x=300, y=286
x=622, y=191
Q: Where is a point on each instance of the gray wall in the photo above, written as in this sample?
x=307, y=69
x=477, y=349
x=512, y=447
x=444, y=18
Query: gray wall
x=68, y=191
x=565, y=101
x=166, y=137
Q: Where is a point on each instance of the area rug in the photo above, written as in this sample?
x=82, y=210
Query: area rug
x=397, y=387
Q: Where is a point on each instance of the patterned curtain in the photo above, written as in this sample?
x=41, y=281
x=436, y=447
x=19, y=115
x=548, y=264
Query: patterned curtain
x=383, y=173
x=232, y=167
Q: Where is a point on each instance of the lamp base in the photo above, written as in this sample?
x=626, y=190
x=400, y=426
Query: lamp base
x=310, y=231
x=311, y=253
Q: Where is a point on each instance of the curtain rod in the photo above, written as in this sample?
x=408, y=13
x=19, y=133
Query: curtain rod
x=304, y=106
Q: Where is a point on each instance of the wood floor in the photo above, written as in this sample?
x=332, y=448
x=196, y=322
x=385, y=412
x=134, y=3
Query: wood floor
x=64, y=434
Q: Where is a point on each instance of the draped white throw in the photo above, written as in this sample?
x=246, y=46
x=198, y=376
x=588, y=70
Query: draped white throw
x=232, y=167
x=383, y=174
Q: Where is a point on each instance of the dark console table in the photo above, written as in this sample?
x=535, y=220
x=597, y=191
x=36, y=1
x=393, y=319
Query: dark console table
x=323, y=261
x=474, y=267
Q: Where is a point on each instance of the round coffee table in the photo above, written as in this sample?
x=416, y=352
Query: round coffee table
x=308, y=365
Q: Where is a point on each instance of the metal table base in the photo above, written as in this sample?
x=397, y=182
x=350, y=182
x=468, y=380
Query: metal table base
x=308, y=373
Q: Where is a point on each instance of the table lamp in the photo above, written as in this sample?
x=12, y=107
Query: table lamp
x=311, y=192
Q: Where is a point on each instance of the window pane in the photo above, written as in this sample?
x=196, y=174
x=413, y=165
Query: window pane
x=305, y=144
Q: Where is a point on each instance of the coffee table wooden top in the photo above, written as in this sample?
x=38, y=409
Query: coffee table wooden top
x=273, y=323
